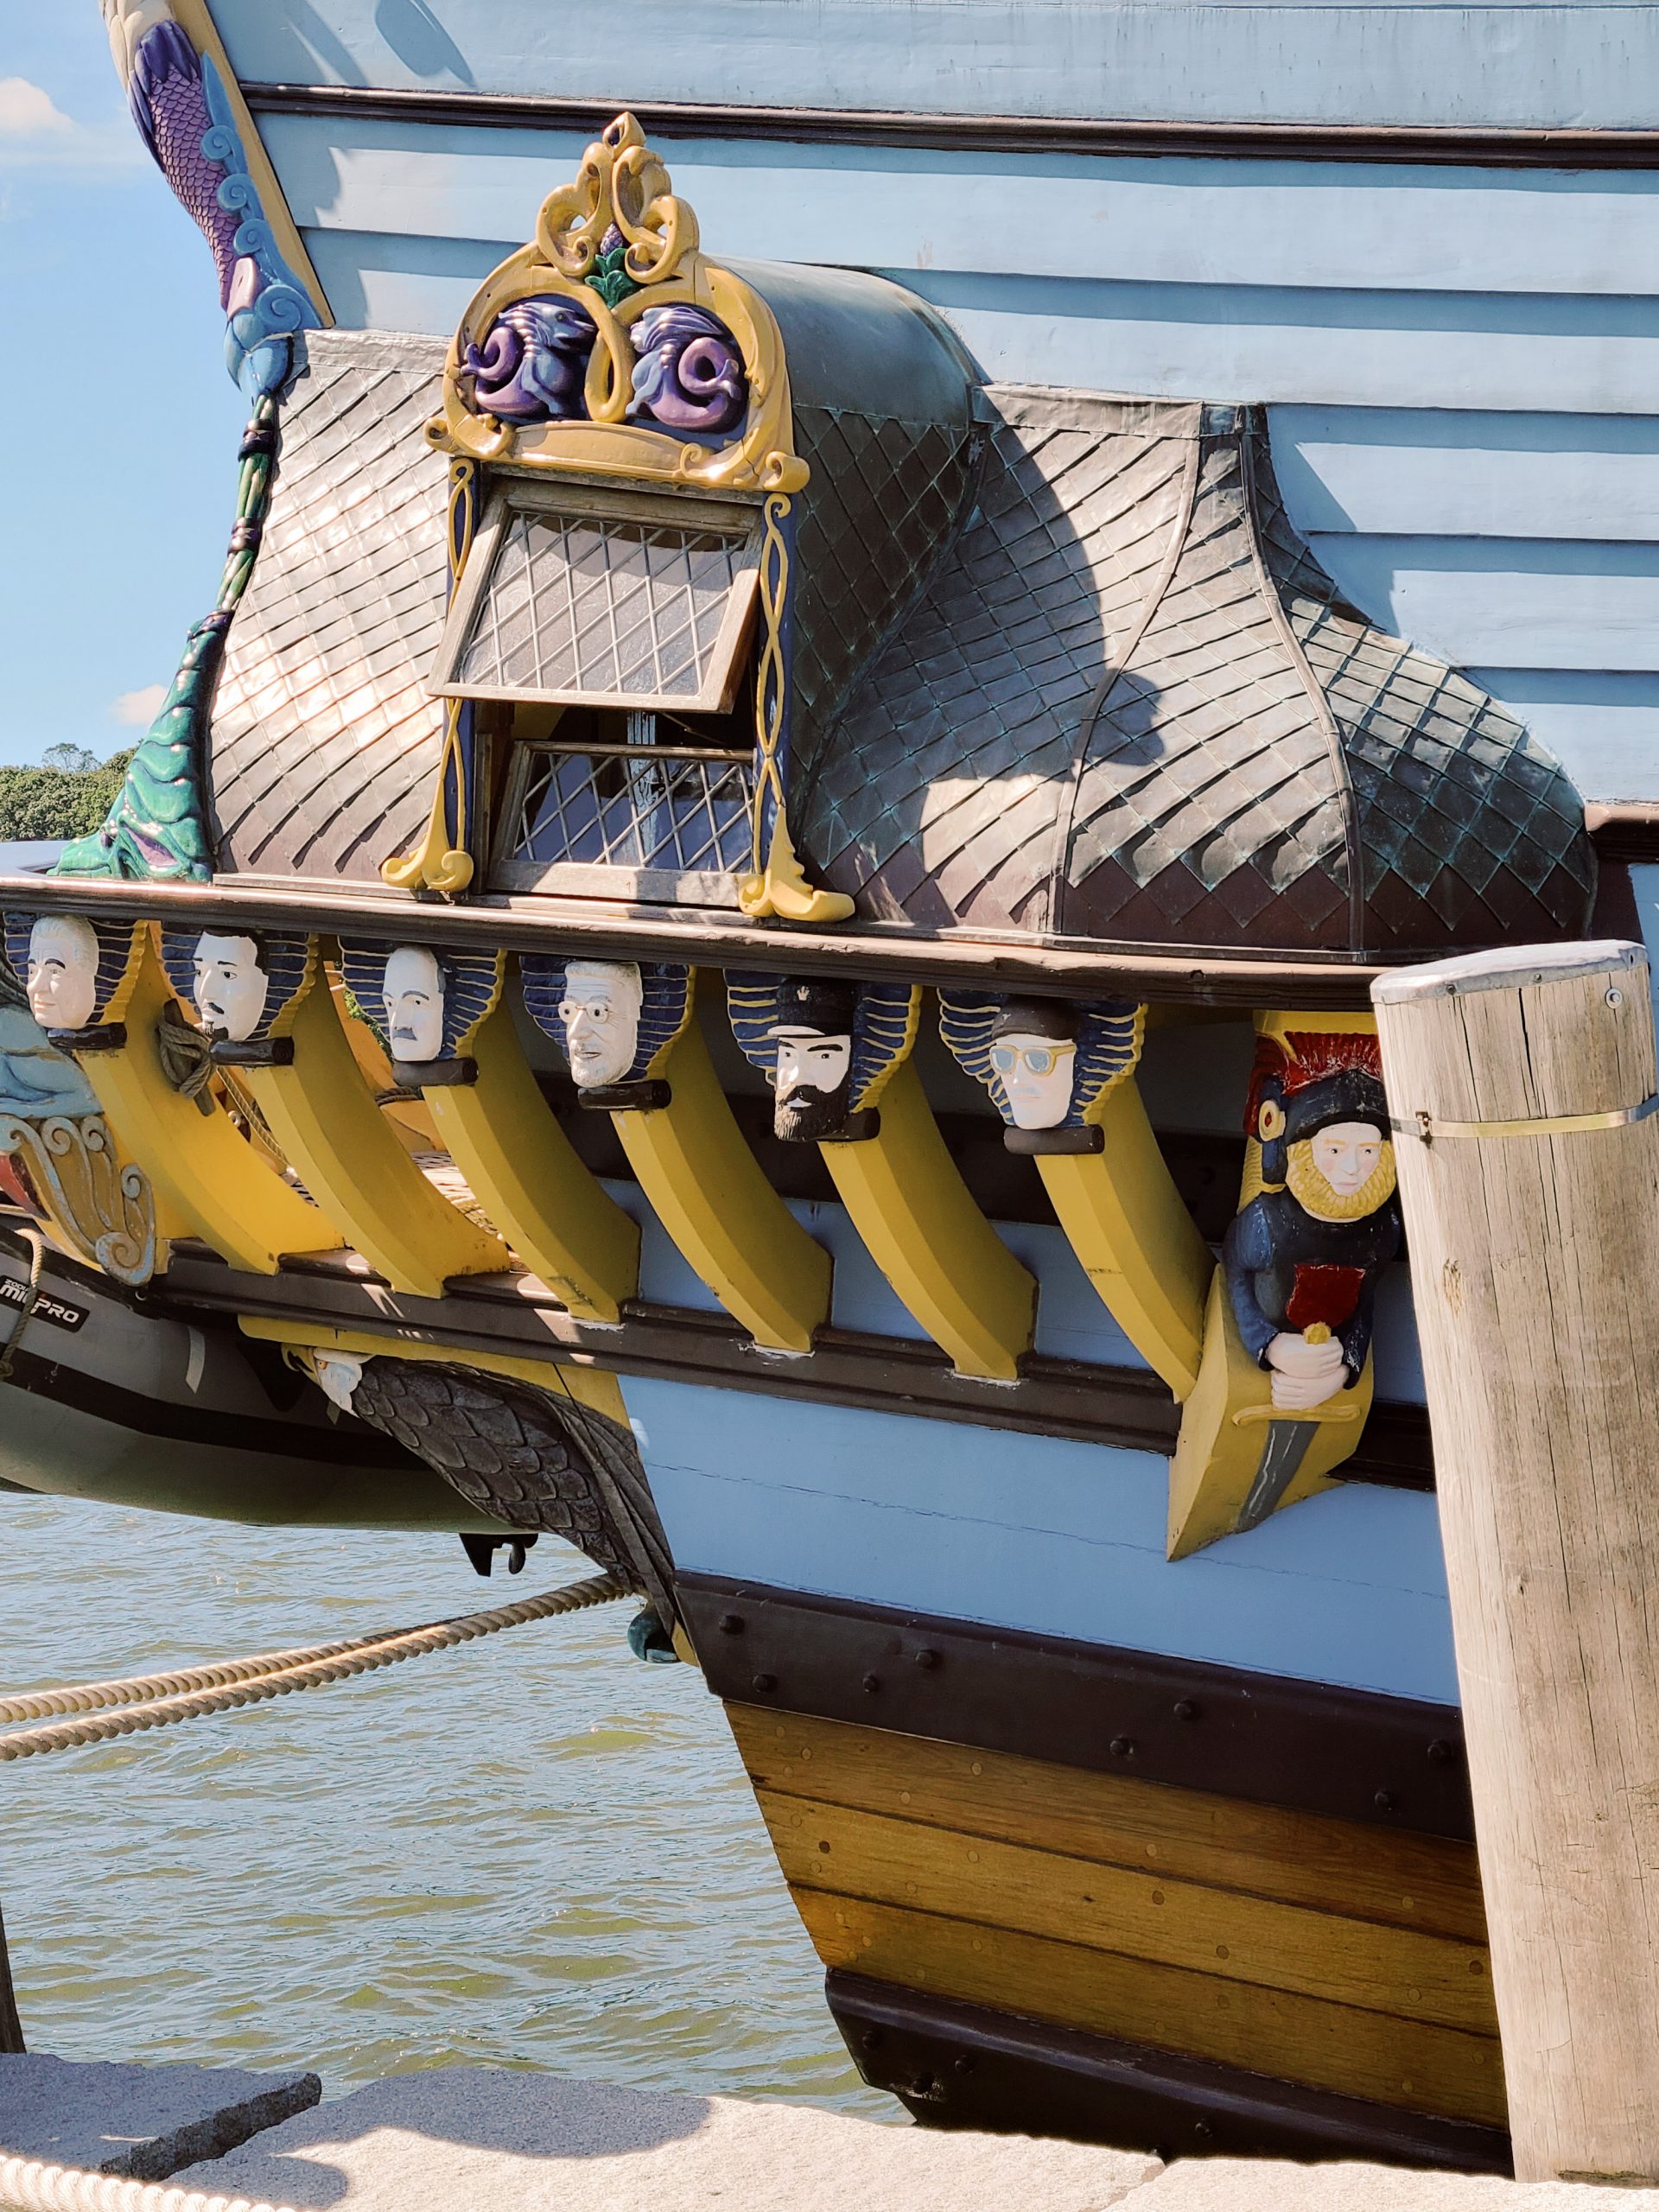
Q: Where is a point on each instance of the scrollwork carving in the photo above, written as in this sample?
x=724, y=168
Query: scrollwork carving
x=106, y=1210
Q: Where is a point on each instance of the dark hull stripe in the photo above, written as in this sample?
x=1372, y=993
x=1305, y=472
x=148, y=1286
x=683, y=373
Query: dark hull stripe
x=969, y=2066
x=1267, y=1738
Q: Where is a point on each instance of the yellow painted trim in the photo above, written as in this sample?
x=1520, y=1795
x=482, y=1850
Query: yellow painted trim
x=208, y=1181
x=324, y=1116
x=526, y=1175
x=592, y=1386
x=1224, y=1426
x=1127, y=1225
x=707, y=1191
x=194, y=18
x=920, y=1224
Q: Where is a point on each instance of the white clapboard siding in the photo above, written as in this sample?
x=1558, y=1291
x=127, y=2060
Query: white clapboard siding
x=1514, y=64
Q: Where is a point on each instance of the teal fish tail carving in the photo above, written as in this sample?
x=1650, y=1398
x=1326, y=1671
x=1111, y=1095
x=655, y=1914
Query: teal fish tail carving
x=157, y=828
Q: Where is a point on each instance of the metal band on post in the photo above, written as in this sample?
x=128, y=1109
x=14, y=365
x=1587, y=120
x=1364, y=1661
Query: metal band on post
x=1426, y=1126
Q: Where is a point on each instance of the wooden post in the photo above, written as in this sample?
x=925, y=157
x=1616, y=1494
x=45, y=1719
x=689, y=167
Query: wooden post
x=11, y=2028
x=1534, y=1261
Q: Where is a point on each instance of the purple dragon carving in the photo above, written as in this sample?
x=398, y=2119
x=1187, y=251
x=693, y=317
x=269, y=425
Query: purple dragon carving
x=689, y=379
x=533, y=361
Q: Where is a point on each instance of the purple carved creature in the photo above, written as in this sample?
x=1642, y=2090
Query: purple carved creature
x=531, y=365
x=689, y=379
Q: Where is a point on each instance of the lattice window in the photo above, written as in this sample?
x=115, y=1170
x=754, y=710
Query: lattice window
x=662, y=815
x=607, y=609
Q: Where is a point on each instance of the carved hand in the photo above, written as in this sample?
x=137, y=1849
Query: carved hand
x=1304, y=1374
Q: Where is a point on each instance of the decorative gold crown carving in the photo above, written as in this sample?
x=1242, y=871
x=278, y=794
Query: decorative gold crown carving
x=525, y=385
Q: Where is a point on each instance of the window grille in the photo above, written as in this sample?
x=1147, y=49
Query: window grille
x=622, y=609
x=641, y=821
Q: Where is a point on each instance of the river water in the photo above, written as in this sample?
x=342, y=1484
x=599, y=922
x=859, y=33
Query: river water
x=533, y=1850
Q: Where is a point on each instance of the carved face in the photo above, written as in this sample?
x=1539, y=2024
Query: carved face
x=62, y=981
x=601, y=1014
x=230, y=985
x=413, y=989
x=1348, y=1154
x=1036, y=1074
x=813, y=1083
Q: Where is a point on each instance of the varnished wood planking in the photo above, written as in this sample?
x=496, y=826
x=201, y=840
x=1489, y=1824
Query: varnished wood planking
x=1376, y=2054
x=1141, y=1915
x=1404, y=1880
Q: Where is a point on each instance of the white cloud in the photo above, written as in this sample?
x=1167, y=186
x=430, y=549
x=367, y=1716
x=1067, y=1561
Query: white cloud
x=35, y=133
x=138, y=709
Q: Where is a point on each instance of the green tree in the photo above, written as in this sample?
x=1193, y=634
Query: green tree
x=59, y=801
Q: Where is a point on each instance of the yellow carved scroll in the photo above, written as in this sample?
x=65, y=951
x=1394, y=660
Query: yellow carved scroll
x=1128, y=1226
x=526, y=1175
x=324, y=1116
x=921, y=1226
x=707, y=1191
x=207, y=1177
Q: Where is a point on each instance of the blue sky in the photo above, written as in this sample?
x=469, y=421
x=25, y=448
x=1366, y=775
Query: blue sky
x=119, y=422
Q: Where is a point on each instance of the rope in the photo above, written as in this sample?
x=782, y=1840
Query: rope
x=30, y=2185
x=194, y=1691
x=31, y=1298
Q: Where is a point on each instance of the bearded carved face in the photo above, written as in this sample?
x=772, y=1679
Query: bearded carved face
x=1344, y=1171
x=813, y=1084
x=1347, y=1154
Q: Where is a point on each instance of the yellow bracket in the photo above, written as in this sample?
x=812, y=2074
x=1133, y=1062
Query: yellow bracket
x=324, y=1116
x=1127, y=1225
x=1224, y=1428
x=209, y=1182
x=527, y=1176
x=592, y=1386
x=708, y=1192
x=921, y=1226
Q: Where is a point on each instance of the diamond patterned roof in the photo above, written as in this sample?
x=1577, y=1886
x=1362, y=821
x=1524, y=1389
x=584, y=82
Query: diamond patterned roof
x=325, y=742
x=1129, y=706
x=1067, y=669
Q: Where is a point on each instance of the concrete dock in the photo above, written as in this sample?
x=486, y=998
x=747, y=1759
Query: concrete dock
x=459, y=2139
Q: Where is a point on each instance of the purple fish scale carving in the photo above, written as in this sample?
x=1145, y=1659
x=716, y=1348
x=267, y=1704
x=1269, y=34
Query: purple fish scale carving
x=170, y=108
x=689, y=379
x=532, y=364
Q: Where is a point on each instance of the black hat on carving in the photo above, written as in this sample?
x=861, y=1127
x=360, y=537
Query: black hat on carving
x=1050, y=1017
x=815, y=1006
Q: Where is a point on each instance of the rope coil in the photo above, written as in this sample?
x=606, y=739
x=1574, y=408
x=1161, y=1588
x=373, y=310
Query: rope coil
x=31, y=2185
x=124, y=1708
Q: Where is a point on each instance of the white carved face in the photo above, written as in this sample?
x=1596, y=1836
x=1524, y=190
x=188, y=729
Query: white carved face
x=230, y=985
x=1347, y=1154
x=62, y=981
x=601, y=1014
x=413, y=987
x=1036, y=1073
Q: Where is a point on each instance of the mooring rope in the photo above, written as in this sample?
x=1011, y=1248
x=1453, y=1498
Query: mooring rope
x=31, y=2185
x=190, y=1692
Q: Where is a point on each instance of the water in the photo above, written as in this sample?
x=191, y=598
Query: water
x=531, y=1851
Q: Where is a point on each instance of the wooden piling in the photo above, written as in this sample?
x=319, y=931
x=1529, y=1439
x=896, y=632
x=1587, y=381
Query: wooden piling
x=11, y=2028
x=1535, y=1256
